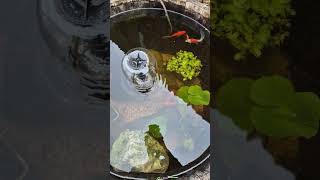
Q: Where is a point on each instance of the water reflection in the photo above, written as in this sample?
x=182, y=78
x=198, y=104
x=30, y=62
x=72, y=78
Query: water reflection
x=59, y=135
x=186, y=135
x=238, y=158
x=80, y=43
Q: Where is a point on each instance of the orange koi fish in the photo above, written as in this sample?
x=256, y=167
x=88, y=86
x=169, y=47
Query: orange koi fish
x=177, y=34
x=195, y=41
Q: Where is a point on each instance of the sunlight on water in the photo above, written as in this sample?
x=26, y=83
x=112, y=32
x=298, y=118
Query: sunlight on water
x=185, y=133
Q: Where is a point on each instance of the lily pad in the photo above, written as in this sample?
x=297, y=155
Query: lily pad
x=271, y=106
x=202, y=99
x=301, y=118
x=183, y=93
x=309, y=103
x=307, y=108
x=233, y=100
x=194, y=95
x=272, y=91
x=195, y=90
x=278, y=122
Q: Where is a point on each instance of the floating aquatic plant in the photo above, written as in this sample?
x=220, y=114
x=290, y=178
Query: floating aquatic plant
x=154, y=131
x=186, y=64
x=271, y=106
x=251, y=25
x=194, y=95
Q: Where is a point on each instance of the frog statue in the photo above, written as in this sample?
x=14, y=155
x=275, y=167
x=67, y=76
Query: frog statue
x=136, y=151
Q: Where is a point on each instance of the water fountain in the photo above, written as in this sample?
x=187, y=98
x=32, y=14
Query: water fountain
x=142, y=96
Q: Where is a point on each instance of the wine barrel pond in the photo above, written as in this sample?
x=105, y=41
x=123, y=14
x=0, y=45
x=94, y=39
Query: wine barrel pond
x=159, y=98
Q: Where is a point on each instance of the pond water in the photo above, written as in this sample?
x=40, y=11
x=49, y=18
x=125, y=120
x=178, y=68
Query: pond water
x=243, y=156
x=185, y=129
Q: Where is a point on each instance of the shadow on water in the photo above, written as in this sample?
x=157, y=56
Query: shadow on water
x=52, y=122
x=243, y=156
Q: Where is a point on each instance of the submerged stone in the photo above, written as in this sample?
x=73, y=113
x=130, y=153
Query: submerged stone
x=135, y=151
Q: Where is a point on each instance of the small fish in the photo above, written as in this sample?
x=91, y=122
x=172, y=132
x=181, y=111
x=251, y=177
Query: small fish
x=176, y=34
x=195, y=41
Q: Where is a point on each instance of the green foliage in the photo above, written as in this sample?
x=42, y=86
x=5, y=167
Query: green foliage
x=186, y=64
x=154, y=131
x=233, y=101
x=194, y=95
x=271, y=106
x=251, y=25
x=272, y=91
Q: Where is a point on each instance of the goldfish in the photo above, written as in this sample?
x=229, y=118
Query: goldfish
x=195, y=41
x=176, y=34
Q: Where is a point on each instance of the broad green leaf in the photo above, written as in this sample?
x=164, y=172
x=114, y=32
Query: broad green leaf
x=197, y=100
x=309, y=102
x=195, y=90
x=206, y=97
x=183, y=93
x=301, y=118
x=194, y=95
x=307, y=108
x=272, y=91
x=277, y=122
x=233, y=101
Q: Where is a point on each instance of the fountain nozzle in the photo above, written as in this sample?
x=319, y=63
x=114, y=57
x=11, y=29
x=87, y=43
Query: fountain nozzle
x=139, y=67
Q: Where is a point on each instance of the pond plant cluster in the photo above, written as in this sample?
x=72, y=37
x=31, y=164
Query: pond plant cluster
x=271, y=106
x=267, y=98
x=251, y=25
x=188, y=66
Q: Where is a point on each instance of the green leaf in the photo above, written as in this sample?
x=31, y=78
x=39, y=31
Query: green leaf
x=233, y=101
x=272, y=91
x=307, y=108
x=194, y=95
x=301, y=118
x=197, y=100
x=161, y=121
x=309, y=103
x=271, y=106
x=183, y=93
x=154, y=131
x=195, y=90
x=206, y=97
x=278, y=122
